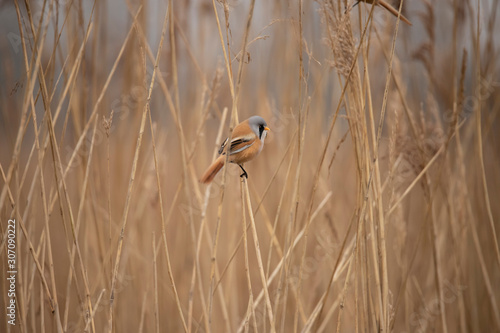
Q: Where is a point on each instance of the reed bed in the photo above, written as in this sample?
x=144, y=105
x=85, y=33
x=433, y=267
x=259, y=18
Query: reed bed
x=372, y=208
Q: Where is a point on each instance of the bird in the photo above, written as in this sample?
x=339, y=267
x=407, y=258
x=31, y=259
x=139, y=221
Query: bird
x=246, y=143
x=384, y=4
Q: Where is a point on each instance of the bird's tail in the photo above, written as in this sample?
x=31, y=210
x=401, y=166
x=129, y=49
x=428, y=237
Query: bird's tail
x=393, y=11
x=212, y=171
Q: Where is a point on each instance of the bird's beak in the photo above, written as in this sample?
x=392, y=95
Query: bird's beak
x=267, y=128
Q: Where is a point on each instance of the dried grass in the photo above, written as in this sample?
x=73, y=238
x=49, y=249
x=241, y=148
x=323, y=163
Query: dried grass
x=371, y=207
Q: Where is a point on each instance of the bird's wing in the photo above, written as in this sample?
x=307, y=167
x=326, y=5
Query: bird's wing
x=238, y=144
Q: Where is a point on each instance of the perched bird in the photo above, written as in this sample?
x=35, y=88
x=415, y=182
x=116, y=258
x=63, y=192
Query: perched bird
x=246, y=143
x=386, y=6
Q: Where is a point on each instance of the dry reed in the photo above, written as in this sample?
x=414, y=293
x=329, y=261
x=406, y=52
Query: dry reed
x=370, y=209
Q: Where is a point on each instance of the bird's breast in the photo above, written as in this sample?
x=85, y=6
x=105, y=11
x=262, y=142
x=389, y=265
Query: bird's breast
x=249, y=153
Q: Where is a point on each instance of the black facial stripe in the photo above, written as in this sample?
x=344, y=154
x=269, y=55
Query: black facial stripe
x=261, y=130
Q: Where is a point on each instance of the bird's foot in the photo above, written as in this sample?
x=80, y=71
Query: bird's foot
x=244, y=174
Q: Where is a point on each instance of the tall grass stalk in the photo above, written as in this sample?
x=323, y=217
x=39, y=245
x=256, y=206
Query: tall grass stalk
x=370, y=208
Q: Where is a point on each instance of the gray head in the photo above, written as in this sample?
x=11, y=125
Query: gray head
x=258, y=126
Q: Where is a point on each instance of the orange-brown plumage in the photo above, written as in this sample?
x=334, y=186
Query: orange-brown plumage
x=246, y=143
x=212, y=170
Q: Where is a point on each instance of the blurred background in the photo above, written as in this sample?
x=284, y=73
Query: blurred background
x=372, y=207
